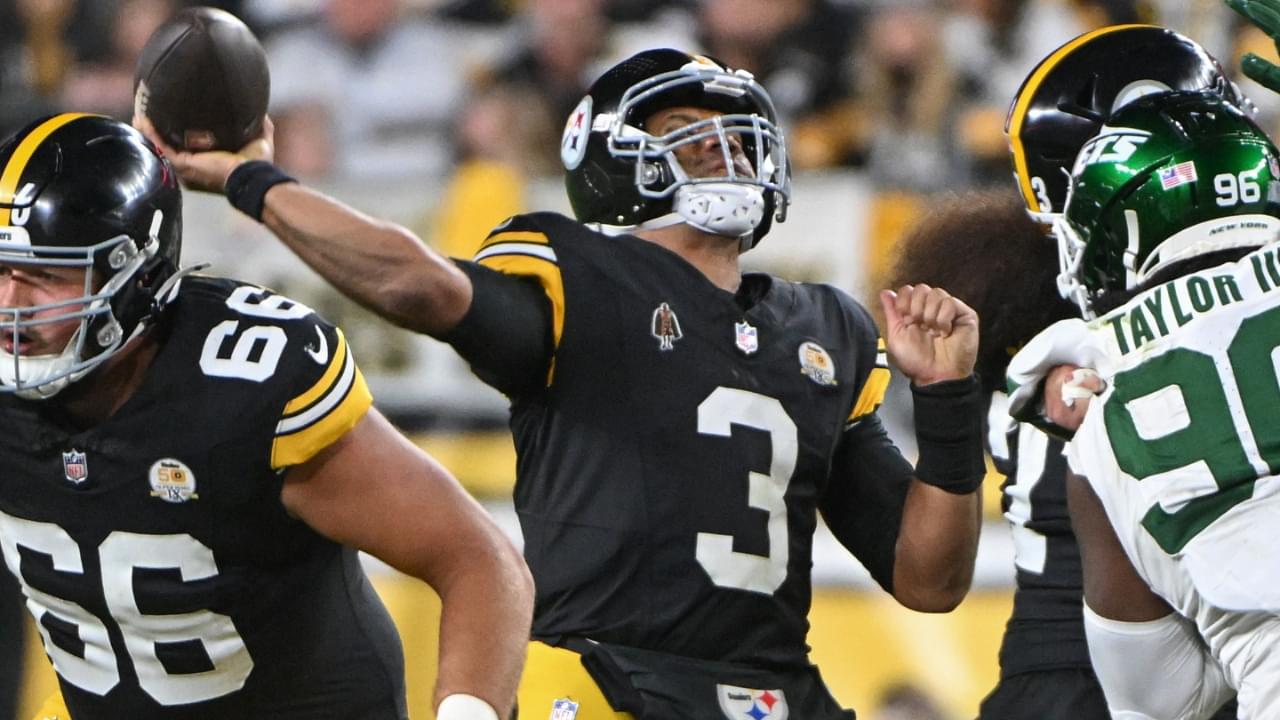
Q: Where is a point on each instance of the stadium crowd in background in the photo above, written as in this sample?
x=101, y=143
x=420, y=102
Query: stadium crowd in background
x=913, y=92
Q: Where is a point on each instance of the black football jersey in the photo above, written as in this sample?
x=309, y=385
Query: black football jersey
x=670, y=466
x=164, y=574
x=1046, y=629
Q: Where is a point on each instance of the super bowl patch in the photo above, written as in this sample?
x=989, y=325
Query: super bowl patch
x=816, y=364
x=172, y=481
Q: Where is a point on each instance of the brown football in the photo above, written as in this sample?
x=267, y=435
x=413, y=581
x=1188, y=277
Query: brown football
x=202, y=80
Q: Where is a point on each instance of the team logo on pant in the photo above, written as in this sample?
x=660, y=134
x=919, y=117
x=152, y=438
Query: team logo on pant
x=739, y=703
x=564, y=709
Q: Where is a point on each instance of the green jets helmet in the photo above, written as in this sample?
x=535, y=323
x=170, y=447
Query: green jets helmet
x=1170, y=177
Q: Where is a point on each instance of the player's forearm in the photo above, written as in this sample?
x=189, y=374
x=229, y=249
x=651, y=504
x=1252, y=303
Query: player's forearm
x=380, y=265
x=1155, y=669
x=937, y=547
x=938, y=539
x=484, y=626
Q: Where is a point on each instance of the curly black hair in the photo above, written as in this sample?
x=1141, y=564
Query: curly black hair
x=981, y=247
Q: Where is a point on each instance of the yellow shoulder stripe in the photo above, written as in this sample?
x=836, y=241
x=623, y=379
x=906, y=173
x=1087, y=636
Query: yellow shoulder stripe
x=1018, y=113
x=874, y=388
x=323, y=413
x=521, y=254
x=519, y=236
x=336, y=363
x=22, y=155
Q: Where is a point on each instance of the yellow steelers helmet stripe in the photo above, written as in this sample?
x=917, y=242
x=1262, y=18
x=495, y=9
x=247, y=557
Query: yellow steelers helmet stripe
x=874, y=388
x=325, y=412
x=1018, y=113
x=22, y=155
x=521, y=254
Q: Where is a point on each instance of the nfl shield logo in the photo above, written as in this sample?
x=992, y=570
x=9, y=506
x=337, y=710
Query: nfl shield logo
x=746, y=338
x=75, y=466
x=564, y=709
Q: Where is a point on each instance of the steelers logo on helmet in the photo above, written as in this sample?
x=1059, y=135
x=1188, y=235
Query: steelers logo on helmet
x=88, y=192
x=625, y=176
x=573, y=145
x=1068, y=96
x=1172, y=177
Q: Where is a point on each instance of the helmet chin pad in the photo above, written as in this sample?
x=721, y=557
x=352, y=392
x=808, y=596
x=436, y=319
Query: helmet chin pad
x=721, y=208
x=39, y=377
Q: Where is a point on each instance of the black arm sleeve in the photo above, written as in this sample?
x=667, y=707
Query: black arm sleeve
x=506, y=333
x=865, y=496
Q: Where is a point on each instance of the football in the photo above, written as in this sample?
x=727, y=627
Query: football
x=202, y=80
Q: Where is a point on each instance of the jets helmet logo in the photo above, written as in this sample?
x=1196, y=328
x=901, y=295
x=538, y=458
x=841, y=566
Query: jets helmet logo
x=1112, y=145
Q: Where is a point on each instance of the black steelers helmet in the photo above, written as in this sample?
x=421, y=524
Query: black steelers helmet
x=90, y=192
x=1069, y=96
x=621, y=176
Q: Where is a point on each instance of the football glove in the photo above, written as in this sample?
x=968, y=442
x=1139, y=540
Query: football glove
x=1265, y=14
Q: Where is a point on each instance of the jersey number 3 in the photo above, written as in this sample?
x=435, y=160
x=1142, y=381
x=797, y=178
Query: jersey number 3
x=724, y=408
x=95, y=669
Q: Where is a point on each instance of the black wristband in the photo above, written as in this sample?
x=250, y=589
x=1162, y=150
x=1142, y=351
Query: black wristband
x=948, y=417
x=248, y=184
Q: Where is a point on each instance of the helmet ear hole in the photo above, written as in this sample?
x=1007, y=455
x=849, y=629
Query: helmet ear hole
x=657, y=174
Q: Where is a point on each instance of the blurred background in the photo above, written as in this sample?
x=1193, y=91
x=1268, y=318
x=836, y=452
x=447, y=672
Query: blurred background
x=445, y=115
